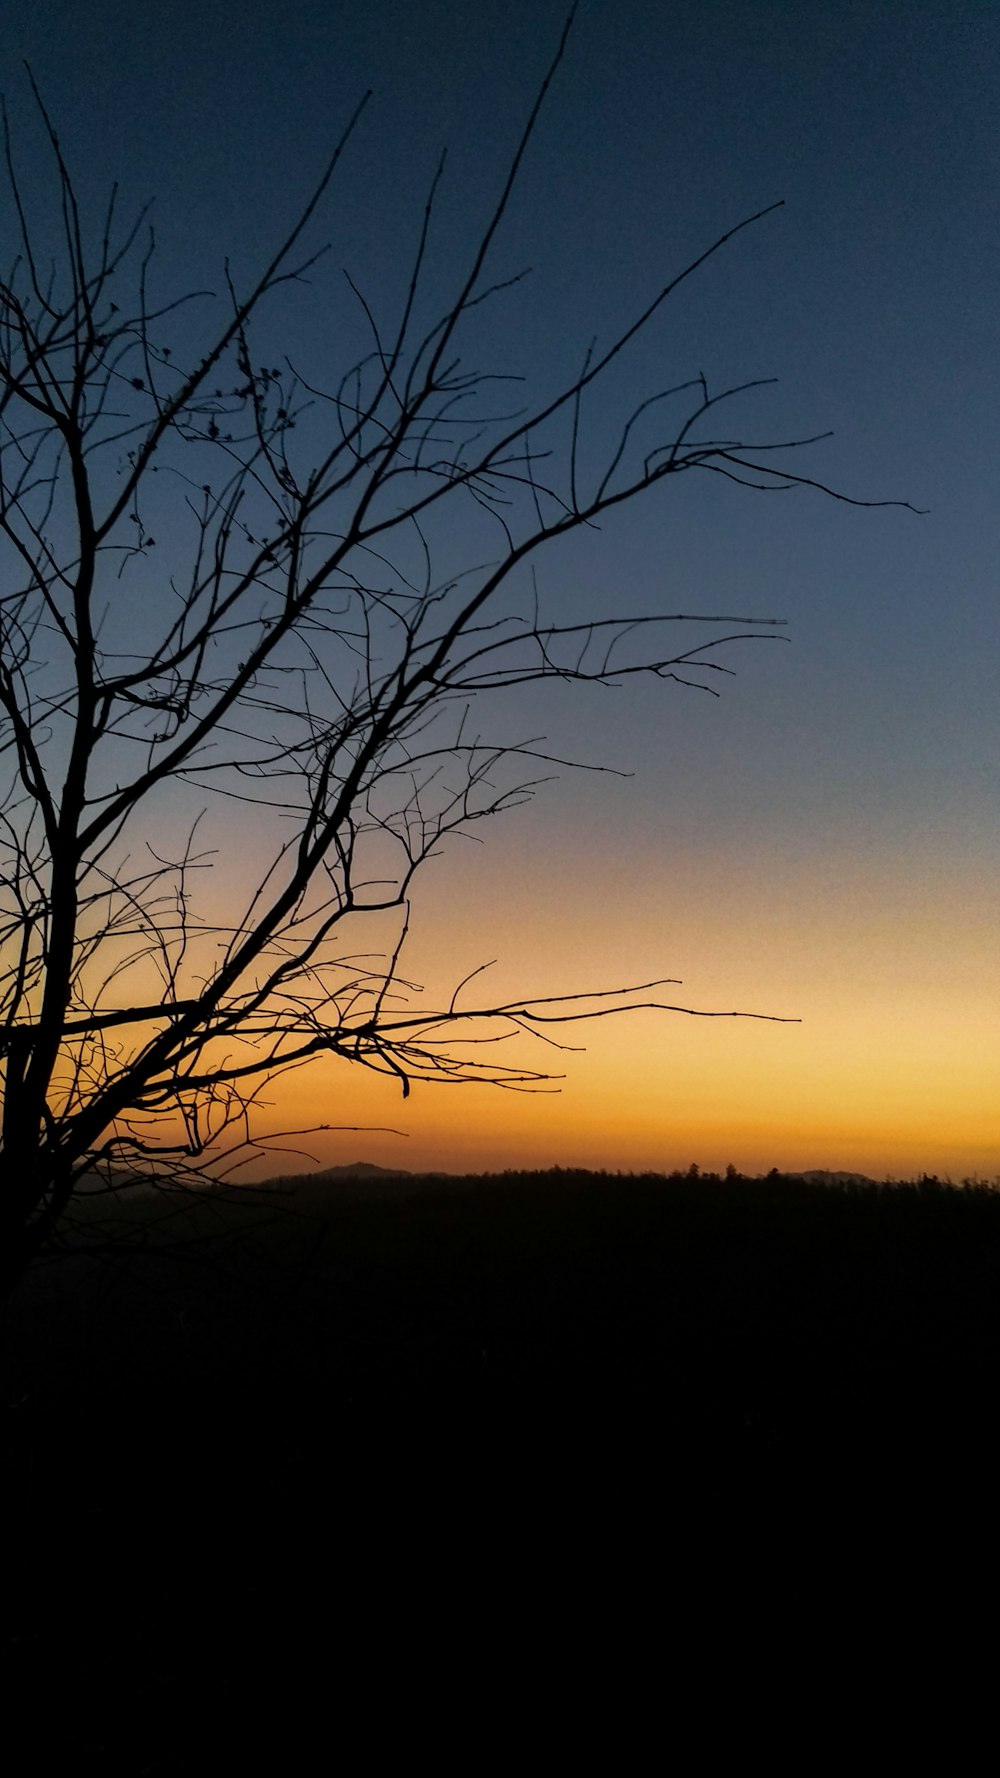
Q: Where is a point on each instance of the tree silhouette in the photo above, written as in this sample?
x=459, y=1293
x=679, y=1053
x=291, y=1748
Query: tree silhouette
x=218, y=592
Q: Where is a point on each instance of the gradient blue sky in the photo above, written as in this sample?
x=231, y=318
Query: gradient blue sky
x=823, y=840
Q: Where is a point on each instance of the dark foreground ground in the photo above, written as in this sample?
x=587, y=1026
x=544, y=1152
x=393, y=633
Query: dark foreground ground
x=556, y=1447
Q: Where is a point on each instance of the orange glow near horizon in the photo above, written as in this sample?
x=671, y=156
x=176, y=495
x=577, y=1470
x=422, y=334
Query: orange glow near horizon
x=892, y=1071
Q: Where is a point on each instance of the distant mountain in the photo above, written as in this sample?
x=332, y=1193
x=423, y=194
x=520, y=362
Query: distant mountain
x=356, y=1182
x=823, y=1176
x=362, y=1170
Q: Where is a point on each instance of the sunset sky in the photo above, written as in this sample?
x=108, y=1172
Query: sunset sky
x=821, y=841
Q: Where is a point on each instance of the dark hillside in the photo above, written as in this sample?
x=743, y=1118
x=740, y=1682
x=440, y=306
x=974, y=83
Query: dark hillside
x=731, y=1387
x=758, y=1313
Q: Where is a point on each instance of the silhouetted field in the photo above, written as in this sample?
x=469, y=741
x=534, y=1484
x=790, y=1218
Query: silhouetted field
x=525, y=1399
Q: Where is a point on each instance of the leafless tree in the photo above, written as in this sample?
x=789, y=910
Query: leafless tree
x=285, y=644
